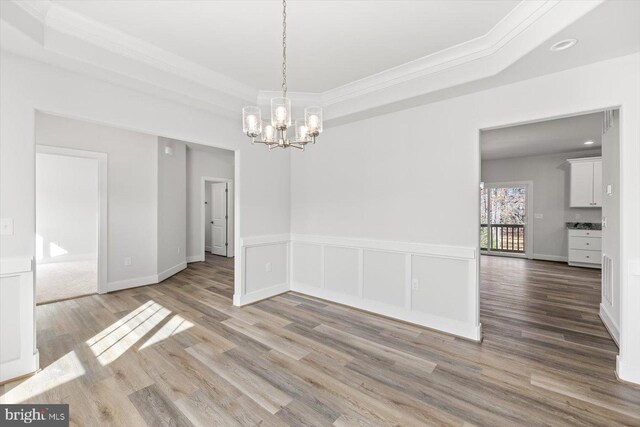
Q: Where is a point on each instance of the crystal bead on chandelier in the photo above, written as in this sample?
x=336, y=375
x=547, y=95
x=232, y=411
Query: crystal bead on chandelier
x=274, y=132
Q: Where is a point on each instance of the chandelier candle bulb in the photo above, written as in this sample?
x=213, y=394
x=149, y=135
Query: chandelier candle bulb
x=302, y=133
x=269, y=132
x=251, y=123
x=313, y=118
x=281, y=113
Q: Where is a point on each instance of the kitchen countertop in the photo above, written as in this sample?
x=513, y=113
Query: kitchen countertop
x=584, y=226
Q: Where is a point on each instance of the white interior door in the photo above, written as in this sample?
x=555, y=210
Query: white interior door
x=219, y=216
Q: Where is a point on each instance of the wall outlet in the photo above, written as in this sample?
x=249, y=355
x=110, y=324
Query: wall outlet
x=6, y=226
x=267, y=267
x=577, y=216
x=415, y=284
x=127, y=260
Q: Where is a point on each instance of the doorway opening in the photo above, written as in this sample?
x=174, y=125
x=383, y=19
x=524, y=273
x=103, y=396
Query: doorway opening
x=548, y=196
x=218, y=217
x=70, y=227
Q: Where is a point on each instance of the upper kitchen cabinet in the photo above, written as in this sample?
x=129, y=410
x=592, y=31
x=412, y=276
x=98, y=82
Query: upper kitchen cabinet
x=586, y=182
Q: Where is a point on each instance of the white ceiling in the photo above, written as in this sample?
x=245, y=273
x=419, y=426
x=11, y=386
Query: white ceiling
x=552, y=136
x=330, y=43
x=223, y=55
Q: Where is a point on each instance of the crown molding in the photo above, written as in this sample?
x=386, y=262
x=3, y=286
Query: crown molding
x=504, y=31
x=109, y=53
x=79, y=38
x=526, y=27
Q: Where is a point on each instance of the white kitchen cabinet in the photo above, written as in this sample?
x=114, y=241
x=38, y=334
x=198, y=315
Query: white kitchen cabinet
x=585, y=248
x=586, y=182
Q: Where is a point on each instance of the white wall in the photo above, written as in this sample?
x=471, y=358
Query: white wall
x=172, y=207
x=66, y=208
x=413, y=175
x=610, y=307
x=27, y=86
x=132, y=170
x=551, y=178
x=205, y=162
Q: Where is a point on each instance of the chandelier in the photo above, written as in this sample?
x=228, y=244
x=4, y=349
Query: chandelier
x=274, y=132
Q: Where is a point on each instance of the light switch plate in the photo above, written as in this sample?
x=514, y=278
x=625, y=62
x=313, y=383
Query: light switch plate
x=127, y=261
x=268, y=267
x=415, y=284
x=6, y=226
x=609, y=189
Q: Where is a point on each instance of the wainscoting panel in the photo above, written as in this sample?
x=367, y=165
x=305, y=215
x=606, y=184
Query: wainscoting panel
x=384, y=277
x=380, y=277
x=264, y=269
x=342, y=270
x=442, y=287
x=257, y=274
x=18, y=355
x=307, y=264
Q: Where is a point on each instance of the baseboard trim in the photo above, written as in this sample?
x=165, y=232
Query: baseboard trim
x=195, y=258
x=132, y=283
x=453, y=327
x=543, y=257
x=250, y=298
x=610, y=324
x=627, y=372
x=171, y=271
x=68, y=258
x=207, y=248
x=585, y=265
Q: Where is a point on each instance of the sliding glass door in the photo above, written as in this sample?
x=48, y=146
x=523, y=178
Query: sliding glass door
x=503, y=218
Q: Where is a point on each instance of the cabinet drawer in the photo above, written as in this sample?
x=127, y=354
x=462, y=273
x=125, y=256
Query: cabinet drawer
x=590, y=257
x=585, y=233
x=587, y=243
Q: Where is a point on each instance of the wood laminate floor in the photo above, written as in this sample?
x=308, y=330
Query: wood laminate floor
x=179, y=354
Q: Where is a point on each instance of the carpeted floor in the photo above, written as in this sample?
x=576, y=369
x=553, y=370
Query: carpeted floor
x=62, y=280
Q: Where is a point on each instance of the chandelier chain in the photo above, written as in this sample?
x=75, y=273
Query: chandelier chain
x=284, y=48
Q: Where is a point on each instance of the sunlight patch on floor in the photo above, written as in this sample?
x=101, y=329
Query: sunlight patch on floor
x=115, y=340
x=174, y=326
x=63, y=370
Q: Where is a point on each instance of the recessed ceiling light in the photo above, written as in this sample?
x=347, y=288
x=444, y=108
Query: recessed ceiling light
x=588, y=142
x=562, y=45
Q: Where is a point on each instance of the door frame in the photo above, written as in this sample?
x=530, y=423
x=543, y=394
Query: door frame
x=528, y=243
x=103, y=201
x=232, y=220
